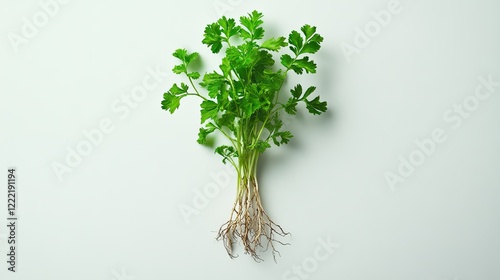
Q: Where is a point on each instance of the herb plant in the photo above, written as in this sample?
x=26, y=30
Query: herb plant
x=243, y=104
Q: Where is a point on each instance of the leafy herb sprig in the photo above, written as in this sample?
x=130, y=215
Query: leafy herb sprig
x=242, y=103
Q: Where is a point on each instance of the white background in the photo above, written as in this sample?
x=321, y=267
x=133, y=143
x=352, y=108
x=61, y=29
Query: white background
x=116, y=215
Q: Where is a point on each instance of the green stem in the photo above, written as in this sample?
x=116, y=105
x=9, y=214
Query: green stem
x=196, y=94
x=233, y=141
x=247, y=164
x=194, y=87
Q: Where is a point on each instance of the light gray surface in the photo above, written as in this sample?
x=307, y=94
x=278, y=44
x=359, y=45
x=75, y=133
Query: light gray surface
x=116, y=215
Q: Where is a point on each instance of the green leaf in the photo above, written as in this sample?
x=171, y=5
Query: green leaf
x=313, y=40
x=304, y=64
x=229, y=27
x=281, y=137
x=316, y=38
x=308, y=30
x=180, y=54
x=233, y=55
x=172, y=98
x=208, y=110
x=308, y=92
x=261, y=146
x=225, y=66
x=170, y=102
x=258, y=33
x=274, y=124
x=262, y=61
x=248, y=55
x=245, y=34
x=226, y=120
x=223, y=100
x=194, y=75
x=213, y=82
x=298, y=65
x=296, y=91
x=291, y=106
x=186, y=59
x=296, y=42
x=286, y=60
x=204, y=132
x=251, y=101
x=179, y=69
x=212, y=37
x=176, y=90
x=274, y=44
x=311, y=44
x=191, y=57
x=315, y=106
x=252, y=23
x=226, y=152
x=271, y=81
x=311, y=47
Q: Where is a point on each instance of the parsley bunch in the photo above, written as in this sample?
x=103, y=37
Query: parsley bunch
x=243, y=103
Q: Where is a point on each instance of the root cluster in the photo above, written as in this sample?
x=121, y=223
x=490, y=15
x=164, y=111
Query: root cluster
x=250, y=224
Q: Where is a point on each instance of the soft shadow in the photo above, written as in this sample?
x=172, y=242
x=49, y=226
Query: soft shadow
x=325, y=81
